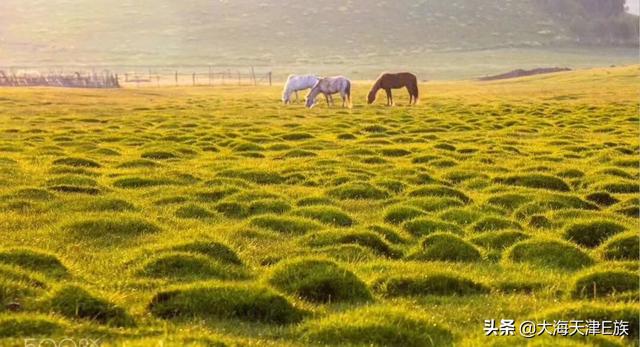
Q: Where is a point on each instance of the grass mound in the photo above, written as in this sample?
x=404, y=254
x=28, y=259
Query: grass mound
x=296, y=136
x=318, y=281
x=254, y=176
x=77, y=162
x=537, y=181
x=602, y=198
x=347, y=253
x=363, y=238
x=387, y=233
x=446, y=247
x=33, y=194
x=551, y=253
x=248, y=303
x=21, y=326
x=314, y=201
x=125, y=226
x=426, y=226
x=68, y=189
x=593, y=233
x=109, y=205
x=358, y=191
x=158, y=155
x=72, y=180
x=75, y=302
x=326, y=215
x=493, y=224
x=620, y=187
x=499, y=240
x=34, y=260
x=509, y=201
x=232, y=209
x=376, y=326
x=285, y=225
x=192, y=211
x=181, y=265
x=624, y=246
x=138, y=164
x=429, y=284
x=399, y=214
x=598, y=284
x=212, y=249
x=597, y=312
x=139, y=182
x=266, y=206
x=440, y=192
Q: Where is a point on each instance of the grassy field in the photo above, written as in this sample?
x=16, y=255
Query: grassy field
x=216, y=216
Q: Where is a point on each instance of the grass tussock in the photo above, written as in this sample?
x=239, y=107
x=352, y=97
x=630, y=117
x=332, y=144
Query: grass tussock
x=429, y=284
x=446, y=247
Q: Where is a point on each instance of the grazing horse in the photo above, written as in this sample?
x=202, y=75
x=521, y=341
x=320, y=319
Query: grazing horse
x=329, y=86
x=297, y=83
x=388, y=81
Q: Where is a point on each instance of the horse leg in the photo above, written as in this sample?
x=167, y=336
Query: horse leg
x=327, y=96
x=410, y=96
x=296, y=96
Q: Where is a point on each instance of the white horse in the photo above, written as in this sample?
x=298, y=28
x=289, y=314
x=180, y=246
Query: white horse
x=329, y=86
x=297, y=83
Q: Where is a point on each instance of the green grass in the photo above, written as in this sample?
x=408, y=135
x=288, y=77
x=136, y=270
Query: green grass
x=485, y=201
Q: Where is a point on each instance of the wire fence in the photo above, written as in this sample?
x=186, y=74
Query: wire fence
x=132, y=77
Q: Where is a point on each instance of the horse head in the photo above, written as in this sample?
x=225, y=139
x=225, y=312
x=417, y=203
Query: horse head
x=372, y=96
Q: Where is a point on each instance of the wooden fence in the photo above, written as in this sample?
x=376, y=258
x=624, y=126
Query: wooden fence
x=177, y=78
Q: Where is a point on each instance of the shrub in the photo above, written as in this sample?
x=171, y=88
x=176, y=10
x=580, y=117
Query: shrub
x=538, y=181
x=75, y=302
x=429, y=284
x=591, y=234
x=34, y=260
x=318, y=281
x=446, y=247
x=494, y=223
x=358, y=191
x=596, y=284
x=499, y=240
x=285, y=225
x=400, y=214
x=376, y=326
x=624, y=246
x=426, y=226
x=551, y=253
x=248, y=303
x=326, y=215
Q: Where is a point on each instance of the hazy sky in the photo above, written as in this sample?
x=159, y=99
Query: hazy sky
x=634, y=6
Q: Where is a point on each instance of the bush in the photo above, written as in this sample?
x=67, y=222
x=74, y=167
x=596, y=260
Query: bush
x=185, y=266
x=624, y=246
x=549, y=253
x=34, y=260
x=358, y=191
x=446, y=247
x=426, y=226
x=248, y=303
x=598, y=284
x=22, y=326
x=376, y=326
x=326, y=215
x=499, y=240
x=440, y=192
x=318, y=281
x=591, y=234
x=75, y=302
x=399, y=214
x=494, y=223
x=430, y=284
x=285, y=225
x=538, y=181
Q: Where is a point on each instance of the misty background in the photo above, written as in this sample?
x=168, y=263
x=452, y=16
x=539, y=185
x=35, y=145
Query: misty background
x=438, y=39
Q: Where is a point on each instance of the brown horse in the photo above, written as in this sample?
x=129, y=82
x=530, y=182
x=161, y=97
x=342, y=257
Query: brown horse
x=388, y=81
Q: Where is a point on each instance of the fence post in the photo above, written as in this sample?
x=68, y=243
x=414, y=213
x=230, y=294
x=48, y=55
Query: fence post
x=270, y=81
x=194, y=79
x=176, y=78
x=253, y=75
x=239, y=82
x=209, y=75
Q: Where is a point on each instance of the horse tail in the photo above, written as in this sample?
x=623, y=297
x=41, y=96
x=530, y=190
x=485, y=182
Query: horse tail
x=416, y=92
